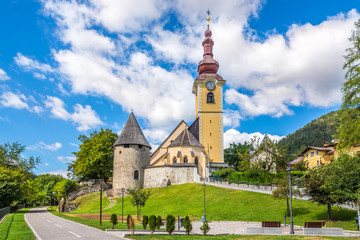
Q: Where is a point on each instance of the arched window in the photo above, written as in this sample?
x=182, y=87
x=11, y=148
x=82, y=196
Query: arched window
x=185, y=160
x=196, y=161
x=210, y=97
x=136, y=174
x=174, y=160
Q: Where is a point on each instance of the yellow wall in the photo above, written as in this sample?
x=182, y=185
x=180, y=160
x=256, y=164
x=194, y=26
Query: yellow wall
x=163, y=147
x=211, y=118
x=353, y=150
x=320, y=158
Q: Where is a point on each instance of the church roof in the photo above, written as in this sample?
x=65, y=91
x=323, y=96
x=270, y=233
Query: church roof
x=194, y=129
x=132, y=134
x=185, y=138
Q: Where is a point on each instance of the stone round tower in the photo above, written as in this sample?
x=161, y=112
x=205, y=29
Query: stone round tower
x=131, y=155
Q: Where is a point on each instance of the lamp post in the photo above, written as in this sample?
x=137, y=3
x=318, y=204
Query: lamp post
x=122, y=204
x=289, y=169
x=204, y=187
x=100, y=202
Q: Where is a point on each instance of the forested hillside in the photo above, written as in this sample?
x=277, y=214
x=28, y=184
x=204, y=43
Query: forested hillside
x=316, y=133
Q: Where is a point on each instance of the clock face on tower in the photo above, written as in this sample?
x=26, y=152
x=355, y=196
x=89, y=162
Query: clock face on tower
x=210, y=85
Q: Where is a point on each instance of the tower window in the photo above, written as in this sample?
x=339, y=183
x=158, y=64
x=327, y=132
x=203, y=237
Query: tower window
x=119, y=152
x=136, y=174
x=185, y=160
x=140, y=146
x=210, y=97
x=126, y=145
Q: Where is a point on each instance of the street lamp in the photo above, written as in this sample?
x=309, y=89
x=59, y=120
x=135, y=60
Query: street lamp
x=289, y=169
x=122, y=204
x=204, y=187
x=100, y=202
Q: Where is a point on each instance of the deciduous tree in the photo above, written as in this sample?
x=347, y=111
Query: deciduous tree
x=94, y=160
x=139, y=197
x=350, y=120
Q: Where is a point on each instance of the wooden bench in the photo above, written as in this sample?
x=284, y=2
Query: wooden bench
x=270, y=224
x=314, y=224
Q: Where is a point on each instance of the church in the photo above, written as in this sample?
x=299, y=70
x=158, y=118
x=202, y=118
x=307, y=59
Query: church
x=189, y=153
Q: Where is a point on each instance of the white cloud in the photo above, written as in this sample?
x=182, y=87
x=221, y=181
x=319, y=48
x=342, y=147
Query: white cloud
x=84, y=117
x=18, y=101
x=46, y=164
x=232, y=135
x=100, y=57
x=66, y=159
x=231, y=118
x=63, y=173
x=3, y=75
x=31, y=64
x=41, y=145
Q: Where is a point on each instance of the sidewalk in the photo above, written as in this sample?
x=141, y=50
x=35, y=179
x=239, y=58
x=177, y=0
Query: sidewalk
x=222, y=228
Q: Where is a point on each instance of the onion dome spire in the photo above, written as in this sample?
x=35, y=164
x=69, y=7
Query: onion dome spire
x=208, y=64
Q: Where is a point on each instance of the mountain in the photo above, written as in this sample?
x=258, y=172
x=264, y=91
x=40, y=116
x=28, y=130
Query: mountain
x=315, y=133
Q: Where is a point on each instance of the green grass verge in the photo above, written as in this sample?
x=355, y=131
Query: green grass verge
x=226, y=237
x=221, y=205
x=91, y=223
x=14, y=227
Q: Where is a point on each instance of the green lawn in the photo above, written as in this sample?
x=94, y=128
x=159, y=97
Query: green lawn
x=229, y=237
x=221, y=205
x=91, y=223
x=14, y=227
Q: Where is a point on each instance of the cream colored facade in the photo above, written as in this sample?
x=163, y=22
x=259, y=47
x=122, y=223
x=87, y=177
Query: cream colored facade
x=211, y=118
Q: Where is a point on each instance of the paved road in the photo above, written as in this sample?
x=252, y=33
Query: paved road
x=47, y=226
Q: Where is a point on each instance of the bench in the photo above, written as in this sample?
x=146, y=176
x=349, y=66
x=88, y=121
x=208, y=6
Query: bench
x=270, y=224
x=314, y=224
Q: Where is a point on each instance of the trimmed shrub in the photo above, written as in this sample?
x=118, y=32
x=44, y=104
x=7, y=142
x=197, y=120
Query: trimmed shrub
x=205, y=228
x=113, y=220
x=128, y=220
x=145, y=221
x=170, y=224
x=158, y=222
x=152, y=223
x=187, y=225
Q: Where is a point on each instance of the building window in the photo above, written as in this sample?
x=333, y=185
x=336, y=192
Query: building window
x=136, y=174
x=307, y=155
x=317, y=152
x=210, y=147
x=140, y=146
x=119, y=152
x=318, y=162
x=174, y=160
x=210, y=121
x=196, y=161
x=126, y=145
x=210, y=98
x=210, y=134
x=312, y=154
x=185, y=160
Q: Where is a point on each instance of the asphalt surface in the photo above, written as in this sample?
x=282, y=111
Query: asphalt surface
x=48, y=226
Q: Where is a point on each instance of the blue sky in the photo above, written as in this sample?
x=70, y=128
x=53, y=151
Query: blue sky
x=71, y=67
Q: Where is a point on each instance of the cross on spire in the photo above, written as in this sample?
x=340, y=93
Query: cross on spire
x=208, y=18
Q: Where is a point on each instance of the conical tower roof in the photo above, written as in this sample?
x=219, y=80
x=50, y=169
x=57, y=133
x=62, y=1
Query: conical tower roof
x=185, y=138
x=132, y=134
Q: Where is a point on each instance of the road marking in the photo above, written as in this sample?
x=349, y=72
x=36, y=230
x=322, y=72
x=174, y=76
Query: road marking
x=58, y=226
x=48, y=220
x=75, y=234
x=32, y=229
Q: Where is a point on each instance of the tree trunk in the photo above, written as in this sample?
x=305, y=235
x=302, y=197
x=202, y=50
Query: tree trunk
x=329, y=211
x=137, y=210
x=287, y=207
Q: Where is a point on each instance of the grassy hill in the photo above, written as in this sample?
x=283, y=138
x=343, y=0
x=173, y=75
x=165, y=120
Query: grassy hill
x=316, y=133
x=221, y=204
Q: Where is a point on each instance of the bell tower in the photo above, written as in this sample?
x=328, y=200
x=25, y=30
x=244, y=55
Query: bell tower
x=208, y=90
